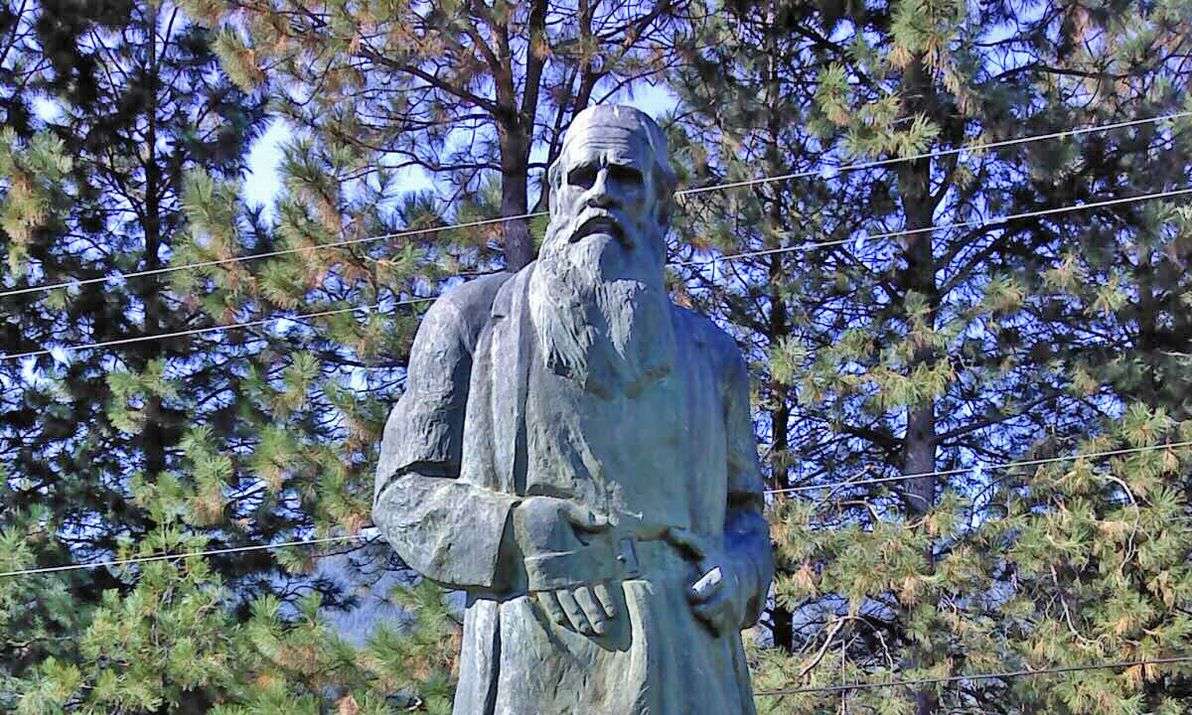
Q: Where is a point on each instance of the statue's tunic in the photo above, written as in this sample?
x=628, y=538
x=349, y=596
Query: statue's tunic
x=484, y=422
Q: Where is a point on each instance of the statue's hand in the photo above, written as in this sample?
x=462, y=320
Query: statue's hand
x=568, y=557
x=586, y=609
x=716, y=595
x=544, y=525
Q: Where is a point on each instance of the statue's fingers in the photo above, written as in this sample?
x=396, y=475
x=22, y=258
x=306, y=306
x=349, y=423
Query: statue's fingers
x=726, y=617
x=575, y=614
x=707, y=586
x=550, y=604
x=715, y=613
x=695, y=545
x=705, y=611
x=593, y=611
x=606, y=600
x=584, y=518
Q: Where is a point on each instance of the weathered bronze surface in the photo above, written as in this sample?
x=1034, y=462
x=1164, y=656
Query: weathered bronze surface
x=576, y=453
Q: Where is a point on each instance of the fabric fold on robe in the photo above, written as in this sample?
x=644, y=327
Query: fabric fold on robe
x=483, y=424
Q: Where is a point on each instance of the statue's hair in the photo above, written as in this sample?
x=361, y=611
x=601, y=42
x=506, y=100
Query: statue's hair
x=664, y=178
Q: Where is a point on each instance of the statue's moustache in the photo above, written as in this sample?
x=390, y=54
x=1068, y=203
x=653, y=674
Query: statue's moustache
x=593, y=221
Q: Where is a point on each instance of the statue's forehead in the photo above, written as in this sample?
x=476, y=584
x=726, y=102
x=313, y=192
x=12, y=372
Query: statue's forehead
x=619, y=143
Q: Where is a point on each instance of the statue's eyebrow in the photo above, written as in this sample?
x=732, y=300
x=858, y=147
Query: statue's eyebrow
x=584, y=159
x=583, y=168
x=626, y=163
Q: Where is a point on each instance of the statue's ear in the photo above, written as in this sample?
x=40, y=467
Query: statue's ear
x=554, y=180
x=663, y=211
x=664, y=188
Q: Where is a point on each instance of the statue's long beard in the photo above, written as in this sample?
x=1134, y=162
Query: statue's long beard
x=601, y=312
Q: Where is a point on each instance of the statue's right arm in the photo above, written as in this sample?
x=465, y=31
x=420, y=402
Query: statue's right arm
x=447, y=530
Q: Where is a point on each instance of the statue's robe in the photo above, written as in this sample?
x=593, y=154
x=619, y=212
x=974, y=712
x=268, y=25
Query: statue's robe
x=484, y=422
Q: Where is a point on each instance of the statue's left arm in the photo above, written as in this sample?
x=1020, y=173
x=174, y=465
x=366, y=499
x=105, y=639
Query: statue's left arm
x=735, y=571
x=746, y=532
x=447, y=530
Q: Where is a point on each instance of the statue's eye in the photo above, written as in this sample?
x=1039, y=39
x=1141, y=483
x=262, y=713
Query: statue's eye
x=583, y=176
x=625, y=174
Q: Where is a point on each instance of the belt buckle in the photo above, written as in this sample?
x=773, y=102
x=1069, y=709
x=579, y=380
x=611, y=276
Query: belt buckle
x=627, y=556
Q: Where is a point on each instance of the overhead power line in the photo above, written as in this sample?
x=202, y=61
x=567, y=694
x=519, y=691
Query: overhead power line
x=209, y=329
x=972, y=147
x=358, y=537
x=968, y=470
x=1024, y=673
x=265, y=254
x=869, y=238
x=184, y=555
x=873, y=237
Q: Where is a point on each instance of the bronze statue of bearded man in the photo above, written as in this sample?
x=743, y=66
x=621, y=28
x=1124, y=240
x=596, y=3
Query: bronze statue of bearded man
x=576, y=453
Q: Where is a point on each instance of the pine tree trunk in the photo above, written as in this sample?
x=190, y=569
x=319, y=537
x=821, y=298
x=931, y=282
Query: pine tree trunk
x=783, y=628
x=918, y=448
x=783, y=619
x=152, y=435
x=516, y=129
x=1148, y=329
x=515, y=159
x=779, y=325
x=918, y=276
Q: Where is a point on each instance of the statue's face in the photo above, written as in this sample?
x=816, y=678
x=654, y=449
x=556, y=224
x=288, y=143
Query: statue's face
x=605, y=188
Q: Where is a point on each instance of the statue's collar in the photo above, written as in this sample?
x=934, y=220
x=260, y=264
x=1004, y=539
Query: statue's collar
x=519, y=284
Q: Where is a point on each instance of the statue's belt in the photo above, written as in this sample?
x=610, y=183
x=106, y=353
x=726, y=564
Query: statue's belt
x=619, y=554
x=636, y=555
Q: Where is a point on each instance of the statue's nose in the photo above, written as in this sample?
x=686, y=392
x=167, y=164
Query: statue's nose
x=599, y=196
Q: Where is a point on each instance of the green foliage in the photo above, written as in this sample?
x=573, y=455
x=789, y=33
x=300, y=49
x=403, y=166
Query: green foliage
x=878, y=355
x=147, y=448
x=456, y=94
x=30, y=176
x=874, y=356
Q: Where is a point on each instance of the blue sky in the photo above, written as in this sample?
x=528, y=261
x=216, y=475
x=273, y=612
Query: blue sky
x=262, y=182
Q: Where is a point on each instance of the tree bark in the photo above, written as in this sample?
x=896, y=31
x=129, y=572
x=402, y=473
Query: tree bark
x=918, y=276
x=515, y=122
x=783, y=619
x=515, y=160
x=778, y=323
x=152, y=435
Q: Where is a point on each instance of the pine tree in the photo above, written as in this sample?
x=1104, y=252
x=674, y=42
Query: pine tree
x=475, y=96
x=478, y=100
x=122, y=450
x=943, y=350
x=35, y=613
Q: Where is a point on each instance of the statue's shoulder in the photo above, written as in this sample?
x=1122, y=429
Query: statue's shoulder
x=708, y=336
x=466, y=307
x=478, y=293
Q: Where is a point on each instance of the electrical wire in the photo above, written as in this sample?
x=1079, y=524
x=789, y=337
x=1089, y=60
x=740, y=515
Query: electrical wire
x=185, y=555
x=266, y=254
x=332, y=539
x=208, y=329
x=966, y=470
x=975, y=147
x=868, y=238
x=1024, y=673
x=873, y=237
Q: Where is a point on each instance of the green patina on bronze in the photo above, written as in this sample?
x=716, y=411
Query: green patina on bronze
x=576, y=453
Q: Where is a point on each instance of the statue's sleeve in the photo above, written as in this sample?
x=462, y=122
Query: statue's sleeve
x=746, y=532
x=449, y=531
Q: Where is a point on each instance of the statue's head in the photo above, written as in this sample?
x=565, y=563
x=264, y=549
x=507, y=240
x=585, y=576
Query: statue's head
x=597, y=295
x=612, y=181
